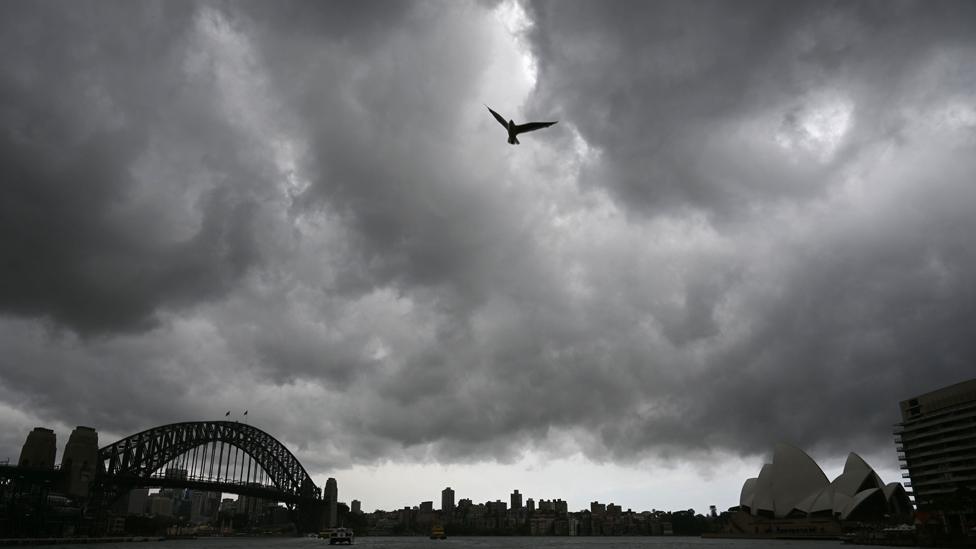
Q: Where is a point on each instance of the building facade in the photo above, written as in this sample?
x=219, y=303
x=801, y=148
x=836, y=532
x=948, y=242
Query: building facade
x=516, y=501
x=331, y=496
x=447, y=504
x=936, y=443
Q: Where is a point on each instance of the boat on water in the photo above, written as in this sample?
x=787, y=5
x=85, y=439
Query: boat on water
x=338, y=535
x=437, y=532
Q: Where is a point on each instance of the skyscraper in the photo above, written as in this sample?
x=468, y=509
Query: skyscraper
x=516, y=501
x=331, y=518
x=936, y=442
x=447, y=504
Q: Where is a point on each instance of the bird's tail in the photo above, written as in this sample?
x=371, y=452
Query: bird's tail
x=513, y=141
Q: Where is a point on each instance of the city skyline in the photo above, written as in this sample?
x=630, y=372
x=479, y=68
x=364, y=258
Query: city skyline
x=751, y=225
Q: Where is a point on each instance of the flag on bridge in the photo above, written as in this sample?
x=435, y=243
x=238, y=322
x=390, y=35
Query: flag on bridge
x=227, y=414
x=245, y=412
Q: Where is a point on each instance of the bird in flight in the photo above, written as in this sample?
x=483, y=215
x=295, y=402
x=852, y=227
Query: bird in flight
x=515, y=129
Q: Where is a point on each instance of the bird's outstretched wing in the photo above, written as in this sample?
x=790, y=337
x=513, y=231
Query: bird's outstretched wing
x=532, y=126
x=498, y=117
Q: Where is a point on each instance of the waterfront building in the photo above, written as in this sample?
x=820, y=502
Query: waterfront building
x=516, y=501
x=936, y=443
x=356, y=507
x=542, y=525
x=793, y=496
x=406, y=517
x=160, y=505
x=331, y=496
x=424, y=515
x=251, y=506
x=447, y=504
x=203, y=505
x=530, y=505
x=497, y=507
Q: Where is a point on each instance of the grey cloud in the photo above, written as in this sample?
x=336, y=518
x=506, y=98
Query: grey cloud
x=87, y=241
x=653, y=85
x=845, y=319
x=325, y=228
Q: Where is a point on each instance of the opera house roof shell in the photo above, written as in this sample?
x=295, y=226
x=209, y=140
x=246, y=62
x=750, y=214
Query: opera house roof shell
x=794, y=486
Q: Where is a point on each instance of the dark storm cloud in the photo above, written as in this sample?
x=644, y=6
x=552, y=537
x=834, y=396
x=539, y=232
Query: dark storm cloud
x=655, y=85
x=88, y=93
x=835, y=324
x=751, y=224
x=364, y=104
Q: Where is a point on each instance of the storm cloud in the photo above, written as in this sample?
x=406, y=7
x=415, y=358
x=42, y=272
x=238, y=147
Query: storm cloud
x=753, y=223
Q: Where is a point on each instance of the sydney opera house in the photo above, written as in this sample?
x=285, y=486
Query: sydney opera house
x=793, y=496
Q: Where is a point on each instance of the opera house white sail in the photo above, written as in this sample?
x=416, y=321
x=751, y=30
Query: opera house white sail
x=794, y=486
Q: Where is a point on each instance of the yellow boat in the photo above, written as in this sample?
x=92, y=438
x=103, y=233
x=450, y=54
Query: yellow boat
x=437, y=532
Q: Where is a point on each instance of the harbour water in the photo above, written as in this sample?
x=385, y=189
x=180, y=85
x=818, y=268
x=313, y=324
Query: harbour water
x=476, y=543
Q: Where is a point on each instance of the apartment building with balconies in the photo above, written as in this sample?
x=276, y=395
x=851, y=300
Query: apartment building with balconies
x=936, y=443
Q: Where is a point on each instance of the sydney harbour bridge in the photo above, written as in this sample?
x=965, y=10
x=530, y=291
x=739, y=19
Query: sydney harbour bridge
x=211, y=456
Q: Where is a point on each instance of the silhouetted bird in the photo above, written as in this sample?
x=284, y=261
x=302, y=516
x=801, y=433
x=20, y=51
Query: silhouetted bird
x=515, y=129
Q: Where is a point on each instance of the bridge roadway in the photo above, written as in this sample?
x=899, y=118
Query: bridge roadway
x=53, y=477
x=15, y=473
x=271, y=493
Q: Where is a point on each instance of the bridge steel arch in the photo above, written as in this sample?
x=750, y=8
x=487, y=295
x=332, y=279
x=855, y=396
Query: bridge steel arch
x=138, y=456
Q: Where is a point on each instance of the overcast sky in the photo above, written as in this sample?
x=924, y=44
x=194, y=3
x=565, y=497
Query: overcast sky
x=753, y=223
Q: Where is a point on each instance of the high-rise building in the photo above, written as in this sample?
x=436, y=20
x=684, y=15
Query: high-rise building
x=356, y=507
x=331, y=503
x=447, y=503
x=530, y=505
x=516, y=501
x=936, y=442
